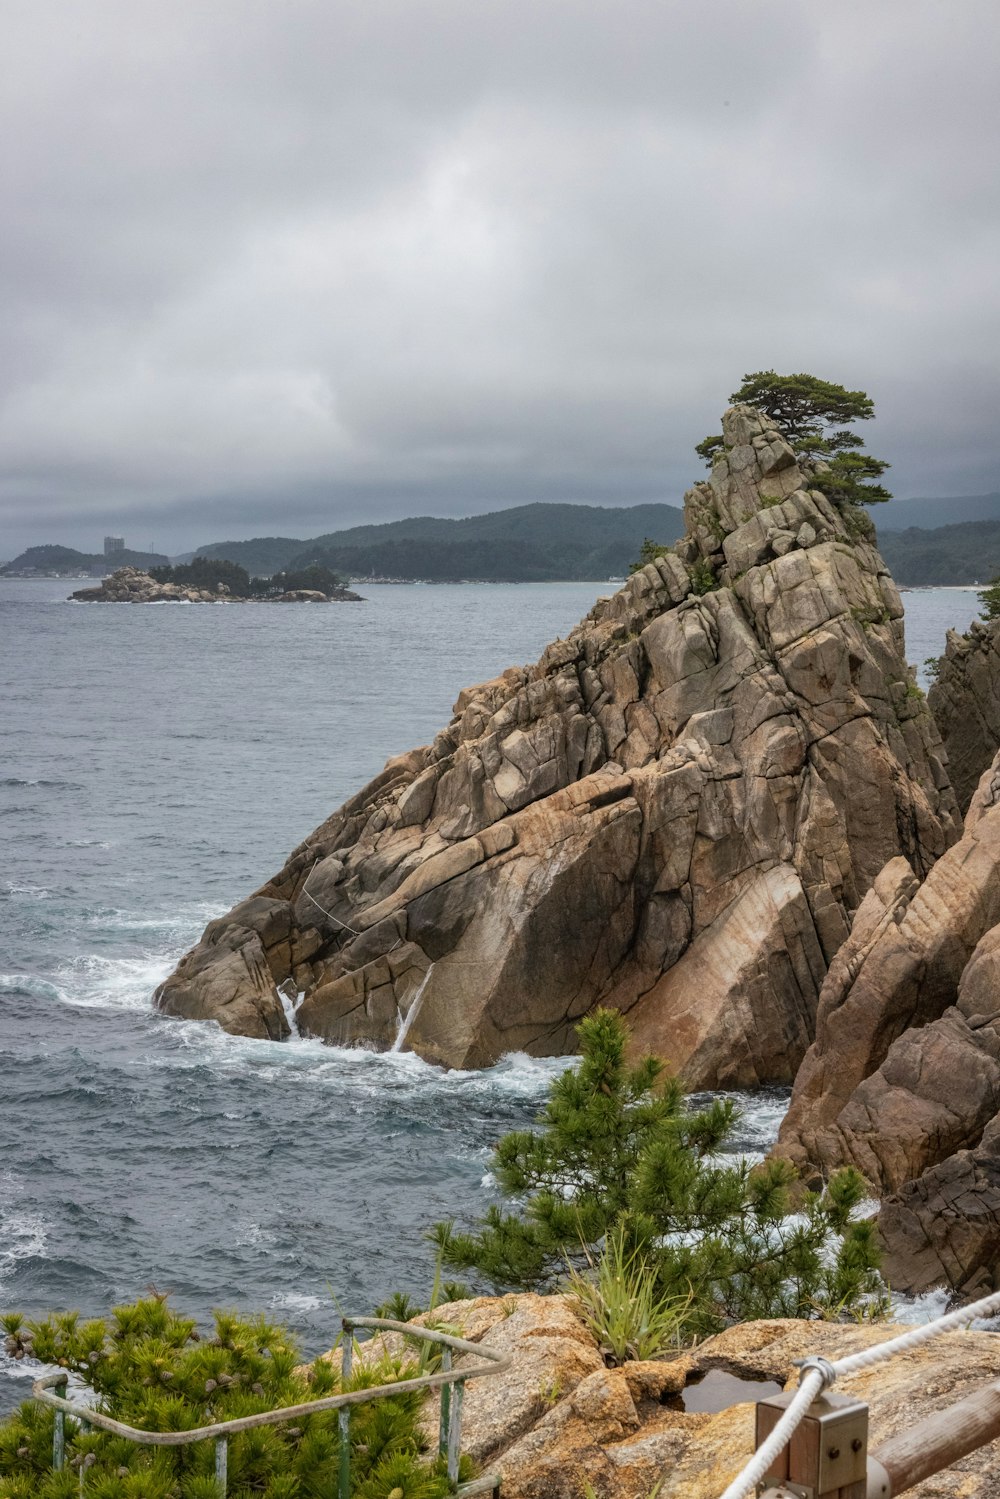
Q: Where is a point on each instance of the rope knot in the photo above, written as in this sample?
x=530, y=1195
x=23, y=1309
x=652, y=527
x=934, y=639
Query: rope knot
x=821, y=1366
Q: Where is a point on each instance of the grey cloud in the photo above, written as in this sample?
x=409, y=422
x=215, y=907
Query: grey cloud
x=269, y=265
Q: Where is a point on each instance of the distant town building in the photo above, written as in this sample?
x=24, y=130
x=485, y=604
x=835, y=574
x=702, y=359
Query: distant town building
x=113, y=544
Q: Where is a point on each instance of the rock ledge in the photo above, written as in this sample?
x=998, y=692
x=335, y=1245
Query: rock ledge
x=558, y=1419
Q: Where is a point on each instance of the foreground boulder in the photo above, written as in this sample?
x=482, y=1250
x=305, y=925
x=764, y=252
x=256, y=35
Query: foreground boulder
x=558, y=1420
x=676, y=812
x=903, y=1080
x=965, y=701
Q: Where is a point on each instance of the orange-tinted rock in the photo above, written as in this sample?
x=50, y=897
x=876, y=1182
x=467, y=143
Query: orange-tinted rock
x=557, y=1420
x=677, y=811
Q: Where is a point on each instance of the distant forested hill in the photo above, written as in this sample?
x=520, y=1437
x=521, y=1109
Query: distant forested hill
x=930, y=514
x=261, y=557
x=967, y=553
x=57, y=559
x=530, y=543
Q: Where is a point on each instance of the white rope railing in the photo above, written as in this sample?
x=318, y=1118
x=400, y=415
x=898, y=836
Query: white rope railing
x=819, y=1373
x=342, y=924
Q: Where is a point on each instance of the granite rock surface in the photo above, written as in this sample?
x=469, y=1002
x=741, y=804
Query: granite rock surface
x=677, y=812
x=903, y=1080
x=557, y=1420
x=965, y=701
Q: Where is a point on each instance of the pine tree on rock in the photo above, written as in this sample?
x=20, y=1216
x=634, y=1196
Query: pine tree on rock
x=814, y=415
x=620, y=1152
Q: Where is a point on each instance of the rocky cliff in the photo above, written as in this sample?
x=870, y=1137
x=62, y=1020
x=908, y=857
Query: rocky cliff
x=677, y=811
x=965, y=701
x=903, y=1080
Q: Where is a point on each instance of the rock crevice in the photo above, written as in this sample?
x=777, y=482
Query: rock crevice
x=903, y=1080
x=965, y=701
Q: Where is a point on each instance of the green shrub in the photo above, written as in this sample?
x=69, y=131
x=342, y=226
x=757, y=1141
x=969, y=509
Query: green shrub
x=150, y=1368
x=649, y=551
x=703, y=579
x=989, y=600
x=845, y=484
x=318, y=579
x=857, y=522
x=206, y=572
x=867, y=615
x=618, y=1151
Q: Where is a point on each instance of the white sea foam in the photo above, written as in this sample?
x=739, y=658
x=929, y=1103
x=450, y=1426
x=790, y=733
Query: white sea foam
x=406, y=1022
x=290, y=1006
x=913, y=1310
x=306, y=1061
x=17, y=782
x=30, y=983
x=251, y=1235
x=95, y=982
x=293, y=1301
x=21, y=1370
x=12, y=891
x=23, y=1230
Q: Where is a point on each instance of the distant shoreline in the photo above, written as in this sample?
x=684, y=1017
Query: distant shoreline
x=611, y=583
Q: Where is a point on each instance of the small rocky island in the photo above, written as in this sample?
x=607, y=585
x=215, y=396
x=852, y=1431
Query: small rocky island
x=130, y=586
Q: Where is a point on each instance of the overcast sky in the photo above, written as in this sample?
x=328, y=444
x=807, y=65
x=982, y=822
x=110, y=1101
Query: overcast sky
x=276, y=266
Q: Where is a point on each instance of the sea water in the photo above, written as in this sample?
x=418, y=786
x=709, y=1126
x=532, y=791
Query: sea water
x=157, y=763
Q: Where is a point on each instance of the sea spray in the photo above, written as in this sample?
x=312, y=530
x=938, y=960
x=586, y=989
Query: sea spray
x=290, y=1007
x=411, y=1014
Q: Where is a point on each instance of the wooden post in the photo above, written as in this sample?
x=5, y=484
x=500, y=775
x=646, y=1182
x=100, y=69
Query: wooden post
x=941, y=1439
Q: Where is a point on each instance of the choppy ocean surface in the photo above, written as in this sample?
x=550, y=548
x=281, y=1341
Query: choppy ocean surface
x=156, y=764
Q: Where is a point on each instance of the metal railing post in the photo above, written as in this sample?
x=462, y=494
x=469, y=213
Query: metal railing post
x=221, y=1466
x=59, y=1431
x=444, y=1424
x=455, y=1431
x=344, y=1415
x=51, y=1390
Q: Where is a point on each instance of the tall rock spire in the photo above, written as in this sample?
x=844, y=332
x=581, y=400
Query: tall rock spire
x=676, y=811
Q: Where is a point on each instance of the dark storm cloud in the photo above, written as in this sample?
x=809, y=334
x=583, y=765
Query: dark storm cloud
x=284, y=266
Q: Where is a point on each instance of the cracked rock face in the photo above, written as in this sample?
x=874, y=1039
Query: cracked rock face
x=904, y=1078
x=965, y=701
x=675, y=812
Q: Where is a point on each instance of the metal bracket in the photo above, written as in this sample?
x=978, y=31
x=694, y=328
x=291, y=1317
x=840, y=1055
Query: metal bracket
x=822, y=1367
